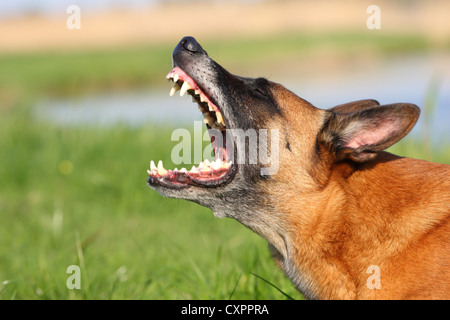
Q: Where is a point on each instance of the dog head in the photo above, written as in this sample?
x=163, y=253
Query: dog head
x=266, y=138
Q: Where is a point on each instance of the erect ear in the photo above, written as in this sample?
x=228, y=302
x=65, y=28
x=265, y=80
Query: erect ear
x=360, y=134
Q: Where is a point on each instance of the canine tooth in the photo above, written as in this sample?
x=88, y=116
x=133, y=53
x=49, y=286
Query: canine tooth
x=152, y=166
x=174, y=89
x=185, y=87
x=176, y=77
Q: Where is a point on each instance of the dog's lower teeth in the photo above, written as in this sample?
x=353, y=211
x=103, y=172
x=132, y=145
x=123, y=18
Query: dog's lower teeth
x=193, y=170
x=152, y=166
x=204, y=167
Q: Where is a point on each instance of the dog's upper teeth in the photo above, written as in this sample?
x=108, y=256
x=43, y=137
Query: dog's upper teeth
x=208, y=119
x=174, y=89
x=185, y=87
x=204, y=104
x=152, y=166
x=220, y=118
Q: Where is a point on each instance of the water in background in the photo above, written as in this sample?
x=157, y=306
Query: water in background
x=404, y=79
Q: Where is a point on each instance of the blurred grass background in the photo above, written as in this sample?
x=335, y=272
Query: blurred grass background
x=78, y=194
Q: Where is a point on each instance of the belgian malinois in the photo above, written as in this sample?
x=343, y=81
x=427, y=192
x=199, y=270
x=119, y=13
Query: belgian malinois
x=343, y=218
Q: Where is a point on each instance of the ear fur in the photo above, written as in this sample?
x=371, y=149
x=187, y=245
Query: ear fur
x=354, y=106
x=359, y=135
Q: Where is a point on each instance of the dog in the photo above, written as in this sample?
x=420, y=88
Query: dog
x=343, y=218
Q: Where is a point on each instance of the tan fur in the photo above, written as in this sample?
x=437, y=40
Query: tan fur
x=391, y=212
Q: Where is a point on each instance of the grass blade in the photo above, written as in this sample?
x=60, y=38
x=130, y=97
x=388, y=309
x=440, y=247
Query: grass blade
x=268, y=282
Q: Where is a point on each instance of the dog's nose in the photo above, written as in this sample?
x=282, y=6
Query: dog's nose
x=189, y=44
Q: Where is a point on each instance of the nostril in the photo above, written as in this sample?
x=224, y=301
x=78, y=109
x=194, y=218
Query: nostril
x=190, y=44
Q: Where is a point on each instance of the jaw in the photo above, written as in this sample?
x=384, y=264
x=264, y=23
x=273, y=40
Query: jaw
x=227, y=102
x=193, y=75
x=226, y=186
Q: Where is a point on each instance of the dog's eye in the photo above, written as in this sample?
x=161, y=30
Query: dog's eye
x=260, y=91
x=259, y=86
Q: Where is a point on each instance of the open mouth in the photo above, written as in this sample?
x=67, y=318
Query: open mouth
x=207, y=173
